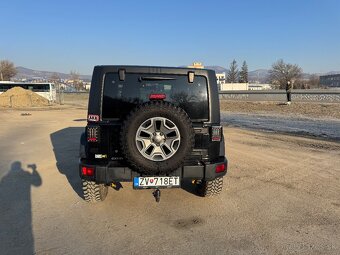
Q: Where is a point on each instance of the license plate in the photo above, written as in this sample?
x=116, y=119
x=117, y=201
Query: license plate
x=156, y=182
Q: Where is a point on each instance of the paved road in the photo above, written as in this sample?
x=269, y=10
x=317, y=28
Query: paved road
x=301, y=126
x=281, y=196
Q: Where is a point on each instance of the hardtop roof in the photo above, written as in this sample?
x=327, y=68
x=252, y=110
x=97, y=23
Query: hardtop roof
x=154, y=69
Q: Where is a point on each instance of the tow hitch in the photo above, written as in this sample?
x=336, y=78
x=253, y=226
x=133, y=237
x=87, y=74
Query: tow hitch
x=157, y=195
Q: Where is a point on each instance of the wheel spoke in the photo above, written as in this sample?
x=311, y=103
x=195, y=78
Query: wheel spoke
x=157, y=154
x=148, y=126
x=146, y=142
x=164, y=129
x=156, y=151
x=166, y=149
x=149, y=150
x=170, y=142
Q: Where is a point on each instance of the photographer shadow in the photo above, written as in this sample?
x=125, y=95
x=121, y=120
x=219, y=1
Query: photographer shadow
x=66, y=144
x=16, y=235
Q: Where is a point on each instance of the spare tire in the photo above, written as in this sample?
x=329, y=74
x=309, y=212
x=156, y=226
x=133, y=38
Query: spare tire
x=156, y=137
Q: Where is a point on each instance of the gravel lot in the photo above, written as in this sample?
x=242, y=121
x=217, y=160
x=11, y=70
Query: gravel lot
x=281, y=196
x=301, y=126
x=296, y=109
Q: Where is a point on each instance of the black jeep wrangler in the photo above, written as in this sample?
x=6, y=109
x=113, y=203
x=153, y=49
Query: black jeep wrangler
x=154, y=127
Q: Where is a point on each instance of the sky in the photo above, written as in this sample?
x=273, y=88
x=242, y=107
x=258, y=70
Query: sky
x=76, y=35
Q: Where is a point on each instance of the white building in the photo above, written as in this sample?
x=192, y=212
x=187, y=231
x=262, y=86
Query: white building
x=87, y=85
x=234, y=86
x=259, y=86
x=220, y=78
x=198, y=65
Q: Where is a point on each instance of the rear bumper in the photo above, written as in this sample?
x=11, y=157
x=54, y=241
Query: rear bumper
x=108, y=174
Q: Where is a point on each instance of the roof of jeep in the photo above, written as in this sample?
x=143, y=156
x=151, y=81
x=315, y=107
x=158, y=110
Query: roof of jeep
x=153, y=69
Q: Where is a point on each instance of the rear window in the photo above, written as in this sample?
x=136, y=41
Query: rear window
x=119, y=97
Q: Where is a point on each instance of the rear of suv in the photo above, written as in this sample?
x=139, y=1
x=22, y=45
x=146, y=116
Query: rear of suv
x=154, y=127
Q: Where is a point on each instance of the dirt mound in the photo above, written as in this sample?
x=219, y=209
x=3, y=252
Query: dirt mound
x=19, y=97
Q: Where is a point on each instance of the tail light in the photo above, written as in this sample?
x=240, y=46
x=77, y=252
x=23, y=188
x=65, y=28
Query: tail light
x=93, y=133
x=87, y=171
x=216, y=133
x=220, y=168
x=157, y=96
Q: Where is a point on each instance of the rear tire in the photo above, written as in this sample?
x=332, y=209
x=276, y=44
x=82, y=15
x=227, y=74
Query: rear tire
x=94, y=192
x=210, y=188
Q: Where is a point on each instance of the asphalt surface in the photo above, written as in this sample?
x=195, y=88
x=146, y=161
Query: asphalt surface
x=321, y=128
x=281, y=196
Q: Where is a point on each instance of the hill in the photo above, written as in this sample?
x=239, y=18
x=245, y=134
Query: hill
x=26, y=73
x=217, y=69
x=260, y=75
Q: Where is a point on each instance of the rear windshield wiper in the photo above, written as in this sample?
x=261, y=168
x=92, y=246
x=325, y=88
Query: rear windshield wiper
x=154, y=78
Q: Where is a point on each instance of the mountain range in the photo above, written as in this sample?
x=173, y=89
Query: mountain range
x=259, y=75
x=26, y=73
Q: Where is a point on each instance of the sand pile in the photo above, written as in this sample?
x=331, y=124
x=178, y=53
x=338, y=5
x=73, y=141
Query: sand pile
x=19, y=97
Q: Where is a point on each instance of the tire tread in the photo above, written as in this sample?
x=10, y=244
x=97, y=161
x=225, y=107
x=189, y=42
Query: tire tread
x=94, y=192
x=210, y=188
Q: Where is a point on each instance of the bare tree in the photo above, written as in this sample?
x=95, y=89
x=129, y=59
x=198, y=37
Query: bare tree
x=55, y=78
x=78, y=85
x=7, y=70
x=233, y=72
x=281, y=73
x=74, y=75
x=314, y=81
x=301, y=84
x=243, y=77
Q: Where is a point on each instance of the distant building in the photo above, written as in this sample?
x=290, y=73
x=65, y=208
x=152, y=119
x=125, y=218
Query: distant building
x=332, y=80
x=259, y=86
x=62, y=86
x=234, y=86
x=220, y=78
x=198, y=65
x=87, y=85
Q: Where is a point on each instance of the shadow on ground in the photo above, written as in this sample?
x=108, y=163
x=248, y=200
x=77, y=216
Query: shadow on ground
x=66, y=144
x=16, y=236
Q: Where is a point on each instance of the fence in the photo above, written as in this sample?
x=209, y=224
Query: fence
x=73, y=98
x=330, y=96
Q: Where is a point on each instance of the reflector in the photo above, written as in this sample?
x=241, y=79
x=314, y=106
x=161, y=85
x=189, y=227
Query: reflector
x=216, y=133
x=93, y=134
